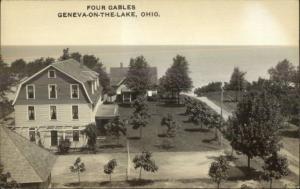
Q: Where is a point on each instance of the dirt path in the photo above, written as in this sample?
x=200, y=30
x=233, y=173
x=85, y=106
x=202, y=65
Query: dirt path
x=172, y=165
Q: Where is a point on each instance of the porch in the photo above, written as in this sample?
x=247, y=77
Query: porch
x=104, y=114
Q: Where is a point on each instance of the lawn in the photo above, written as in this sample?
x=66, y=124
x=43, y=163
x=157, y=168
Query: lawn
x=189, y=137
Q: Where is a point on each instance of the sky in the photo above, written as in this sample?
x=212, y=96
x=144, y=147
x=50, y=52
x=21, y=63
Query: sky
x=189, y=22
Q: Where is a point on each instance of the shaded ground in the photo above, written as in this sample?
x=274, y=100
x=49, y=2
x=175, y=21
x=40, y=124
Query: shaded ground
x=189, y=137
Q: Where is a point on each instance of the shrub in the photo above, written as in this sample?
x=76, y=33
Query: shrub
x=64, y=146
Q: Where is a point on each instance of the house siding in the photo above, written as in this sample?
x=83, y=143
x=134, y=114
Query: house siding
x=63, y=125
x=41, y=83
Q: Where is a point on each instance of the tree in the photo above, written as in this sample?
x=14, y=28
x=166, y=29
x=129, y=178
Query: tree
x=275, y=167
x=176, y=79
x=78, y=167
x=91, y=133
x=255, y=124
x=116, y=127
x=38, y=64
x=76, y=56
x=65, y=55
x=6, y=80
x=144, y=161
x=283, y=73
x=109, y=167
x=218, y=170
x=6, y=182
x=140, y=116
x=210, y=87
x=169, y=122
x=18, y=67
x=237, y=82
x=138, y=75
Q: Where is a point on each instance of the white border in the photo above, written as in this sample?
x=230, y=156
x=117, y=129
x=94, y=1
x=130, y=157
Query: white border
x=49, y=91
x=72, y=112
x=33, y=111
x=50, y=112
x=49, y=74
x=71, y=91
x=27, y=91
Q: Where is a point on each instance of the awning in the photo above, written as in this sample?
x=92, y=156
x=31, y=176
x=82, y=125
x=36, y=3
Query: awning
x=107, y=111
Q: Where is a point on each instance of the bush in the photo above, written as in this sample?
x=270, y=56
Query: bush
x=64, y=146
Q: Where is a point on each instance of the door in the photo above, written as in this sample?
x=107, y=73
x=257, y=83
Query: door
x=53, y=138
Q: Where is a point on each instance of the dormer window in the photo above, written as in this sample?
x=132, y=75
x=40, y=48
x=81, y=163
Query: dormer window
x=52, y=91
x=30, y=91
x=51, y=74
x=74, y=91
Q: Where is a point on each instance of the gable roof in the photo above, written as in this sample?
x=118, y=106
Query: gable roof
x=118, y=74
x=26, y=161
x=74, y=70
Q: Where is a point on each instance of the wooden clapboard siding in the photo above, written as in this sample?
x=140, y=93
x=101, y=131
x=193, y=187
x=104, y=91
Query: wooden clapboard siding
x=41, y=83
x=42, y=115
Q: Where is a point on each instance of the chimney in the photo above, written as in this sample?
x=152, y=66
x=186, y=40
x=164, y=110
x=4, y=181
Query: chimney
x=121, y=65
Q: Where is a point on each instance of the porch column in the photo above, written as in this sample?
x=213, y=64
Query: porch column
x=129, y=97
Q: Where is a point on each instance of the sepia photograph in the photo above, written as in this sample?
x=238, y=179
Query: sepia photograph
x=149, y=94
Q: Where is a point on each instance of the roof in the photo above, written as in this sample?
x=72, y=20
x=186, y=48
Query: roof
x=74, y=70
x=107, y=111
x=26, y=161
x=118, y=74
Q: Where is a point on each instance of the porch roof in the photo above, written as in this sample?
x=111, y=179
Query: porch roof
x=107, y=111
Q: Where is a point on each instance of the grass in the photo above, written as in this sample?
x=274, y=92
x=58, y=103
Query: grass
x=189, y=137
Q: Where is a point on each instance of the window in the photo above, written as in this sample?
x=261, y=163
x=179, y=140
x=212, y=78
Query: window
x=51, y=74
x=30, y=91
x=53, y=114
x=31, y=113
x=75, y=112
x=75, y=134
x=74, y=91
x=52, y=91
x=32, y=134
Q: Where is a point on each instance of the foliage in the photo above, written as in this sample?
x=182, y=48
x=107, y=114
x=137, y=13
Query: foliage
x=138, y=75
x=140, y=116
x=109, y=167
x=283, y=73
x=176, y=78
x=255, y=124
x=144, y=161
x=6, y=182
x=18, y=67
x=210, y=87
x=78, y=167
x=91, y=133
x=6, y=80
x=65, y=55
x=218, y=170
x=116, y=127
x=169, y=122
x=64, y=146
x=275, y=167
x=38, y=64
x=237, y=82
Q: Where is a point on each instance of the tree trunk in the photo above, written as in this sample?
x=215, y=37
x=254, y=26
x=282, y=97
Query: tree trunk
x=178, y=98
x=231, y=151
x=248, y=162
x=271, y=183
x=140, y=176
x=141, y=132
x=218, y=185
x=109, y=177
x=78, y=176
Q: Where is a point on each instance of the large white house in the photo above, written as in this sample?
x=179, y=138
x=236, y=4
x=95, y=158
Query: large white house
x=57, y=102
